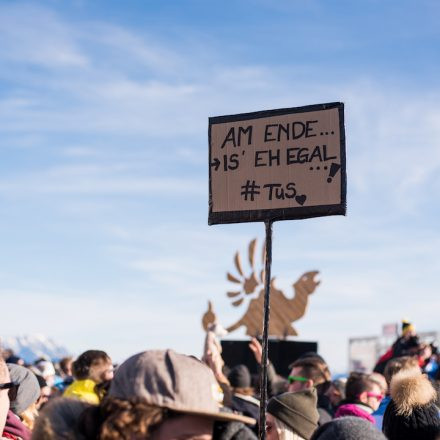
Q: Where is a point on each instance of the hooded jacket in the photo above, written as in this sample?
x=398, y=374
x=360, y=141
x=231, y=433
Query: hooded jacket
x=82, y=390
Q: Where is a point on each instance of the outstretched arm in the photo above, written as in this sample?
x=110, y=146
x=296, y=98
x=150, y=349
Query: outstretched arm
x=257, y=350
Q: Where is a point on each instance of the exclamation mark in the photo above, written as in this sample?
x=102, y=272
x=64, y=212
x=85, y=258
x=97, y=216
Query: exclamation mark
x=334, y=168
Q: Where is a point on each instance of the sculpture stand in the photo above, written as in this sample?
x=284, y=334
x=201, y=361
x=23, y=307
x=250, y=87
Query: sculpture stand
x=282, y=353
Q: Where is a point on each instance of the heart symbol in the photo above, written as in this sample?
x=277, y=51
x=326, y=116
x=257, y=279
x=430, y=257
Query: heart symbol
x=301, y=199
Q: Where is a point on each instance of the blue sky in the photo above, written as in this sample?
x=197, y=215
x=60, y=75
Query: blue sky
x=104, y=110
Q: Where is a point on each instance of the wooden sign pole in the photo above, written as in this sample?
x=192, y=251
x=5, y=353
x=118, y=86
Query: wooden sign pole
x=265, y=342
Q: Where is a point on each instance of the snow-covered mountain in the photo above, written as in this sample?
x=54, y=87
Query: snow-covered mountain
x=32, y=347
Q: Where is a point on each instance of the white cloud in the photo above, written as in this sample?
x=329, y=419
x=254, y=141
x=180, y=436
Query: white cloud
x=131, y=47
x=37, y=36
x=87, y=184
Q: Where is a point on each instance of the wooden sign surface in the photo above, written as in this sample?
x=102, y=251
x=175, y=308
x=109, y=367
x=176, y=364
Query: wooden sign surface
x=277, y=164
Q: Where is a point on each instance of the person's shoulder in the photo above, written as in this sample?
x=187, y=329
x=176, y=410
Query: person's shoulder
x=83, y=390
x=248, y=399
x=324, y=416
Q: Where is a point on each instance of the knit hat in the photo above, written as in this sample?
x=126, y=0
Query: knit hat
x=239, y=377
x=297, y=411
x=348, y=428
x=412, y=412
x=28, y=388
x=45, y=368
x=407, y=326
x=167, y=379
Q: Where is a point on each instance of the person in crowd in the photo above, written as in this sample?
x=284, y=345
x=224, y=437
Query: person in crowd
x=383, y=384
x=292, y=416
x=398, y=364
x=12, y=358
x=237, y=389
x=5, y=386
x=348, y=428
x=59, y=420
x=212, y=357
x=393, y=367
x=310, y=372
x=411, y=413
x=431, y=367
x=157, y=394
x=66, y=365
x=5, y=352
x=407, y=344
x=404, y=345
x=243, y=400
x=363, y=396
x=23, y=397
x=91, y=369
x=381, y=381
x=336, y=393
x=45, y=392
x=66, y=373
x=46, y=370
x=275, y=383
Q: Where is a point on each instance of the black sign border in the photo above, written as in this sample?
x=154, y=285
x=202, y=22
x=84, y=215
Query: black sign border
x=296, y=213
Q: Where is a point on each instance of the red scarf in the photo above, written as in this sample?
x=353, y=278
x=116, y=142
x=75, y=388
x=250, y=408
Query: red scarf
x=15, y=429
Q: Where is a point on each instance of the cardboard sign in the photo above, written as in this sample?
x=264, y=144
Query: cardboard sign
x=277, y=164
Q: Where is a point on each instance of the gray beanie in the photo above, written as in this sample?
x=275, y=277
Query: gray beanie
x=28, y=389
x=296, y=410
x=348, y=428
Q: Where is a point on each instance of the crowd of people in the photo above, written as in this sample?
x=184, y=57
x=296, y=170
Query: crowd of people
x=164, y=395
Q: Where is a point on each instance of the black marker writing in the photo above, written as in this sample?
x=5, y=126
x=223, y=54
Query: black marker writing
x=235, y=138
x=266, y=158
x=277, y=190
x=302, y=155
x=289, y=156
x=250, y=189
x=231, y=163
x=273, y=191
x=288, y=131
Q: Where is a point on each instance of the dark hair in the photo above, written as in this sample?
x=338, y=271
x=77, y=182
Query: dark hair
x=113, y=419
x=313, y=368
x=357, y=383
x=58, y=420
x=64, y=362
x=41, y=381
x=393, y=366
x=81, y=366
x=116, y=419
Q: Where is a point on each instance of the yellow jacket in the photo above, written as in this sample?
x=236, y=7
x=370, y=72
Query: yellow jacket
x=82, y=390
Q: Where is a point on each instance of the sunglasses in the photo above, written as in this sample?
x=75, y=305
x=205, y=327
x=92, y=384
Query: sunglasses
x=13, y=389
x=292, y=379
x=376, y=396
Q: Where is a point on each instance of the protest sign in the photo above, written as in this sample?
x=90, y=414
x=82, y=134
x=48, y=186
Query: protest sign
x=277, y=164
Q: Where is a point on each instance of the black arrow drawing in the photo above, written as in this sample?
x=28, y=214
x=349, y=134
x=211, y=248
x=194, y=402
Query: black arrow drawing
x=215, y=163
